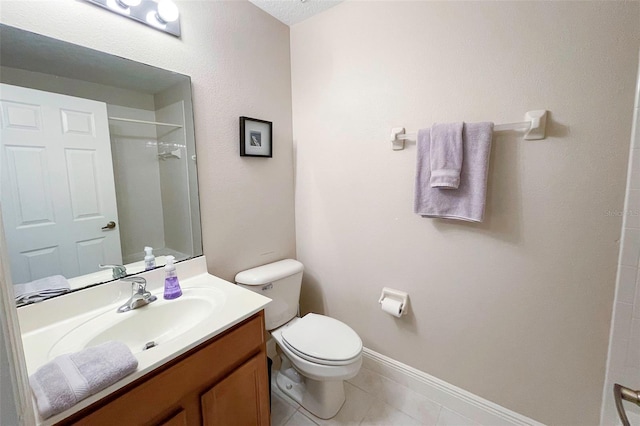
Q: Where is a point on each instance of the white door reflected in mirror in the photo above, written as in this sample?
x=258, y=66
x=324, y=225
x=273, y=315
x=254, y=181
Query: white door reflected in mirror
x=58, y=187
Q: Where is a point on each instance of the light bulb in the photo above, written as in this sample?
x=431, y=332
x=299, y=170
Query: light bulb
x=154, y=20
x=167, y=11
x=118, y=6
x=130, y=3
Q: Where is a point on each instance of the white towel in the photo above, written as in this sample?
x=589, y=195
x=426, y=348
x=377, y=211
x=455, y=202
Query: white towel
x=445, y=151
x=41, y=289
x=468, y=201
x=70, y=378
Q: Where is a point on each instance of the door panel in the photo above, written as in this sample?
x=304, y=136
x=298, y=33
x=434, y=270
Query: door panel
x=30, y=185
x=57, y=188
x=90, y=252
x=42, y=262
x=78, y=122
x=21, y=116
x=83, y=184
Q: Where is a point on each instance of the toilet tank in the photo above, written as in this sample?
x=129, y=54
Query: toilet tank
x=279, y=281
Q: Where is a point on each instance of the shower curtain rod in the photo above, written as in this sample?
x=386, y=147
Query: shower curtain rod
x=156, y=123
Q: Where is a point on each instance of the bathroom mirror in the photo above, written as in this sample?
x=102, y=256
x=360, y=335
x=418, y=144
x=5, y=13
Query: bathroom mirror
x=98, y=161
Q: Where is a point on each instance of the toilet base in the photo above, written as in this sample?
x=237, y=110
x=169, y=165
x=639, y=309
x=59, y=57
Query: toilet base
x=323, y=399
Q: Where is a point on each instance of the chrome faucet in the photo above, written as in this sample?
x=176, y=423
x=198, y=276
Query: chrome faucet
x=139, y=294
x=119, y=271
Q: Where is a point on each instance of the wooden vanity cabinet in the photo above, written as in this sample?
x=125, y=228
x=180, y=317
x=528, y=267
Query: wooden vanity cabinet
x=221, y=382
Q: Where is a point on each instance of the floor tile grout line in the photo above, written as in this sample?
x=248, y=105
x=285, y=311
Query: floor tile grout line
x=407, y=388
x=289, y=418
x=359, y=387
x=439, y=413
x=369, y=407
x=301, y=412
x=289, y=405
x=292, y=415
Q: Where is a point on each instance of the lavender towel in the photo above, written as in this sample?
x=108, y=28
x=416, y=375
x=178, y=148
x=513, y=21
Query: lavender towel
x=70, y=378
x=468, y=201
x=446, y=155
x=41, y=289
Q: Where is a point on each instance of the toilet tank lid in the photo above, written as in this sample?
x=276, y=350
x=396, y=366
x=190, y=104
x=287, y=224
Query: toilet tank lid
x=269, y=273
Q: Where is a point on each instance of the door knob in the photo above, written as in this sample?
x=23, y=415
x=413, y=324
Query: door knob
x=110, y=225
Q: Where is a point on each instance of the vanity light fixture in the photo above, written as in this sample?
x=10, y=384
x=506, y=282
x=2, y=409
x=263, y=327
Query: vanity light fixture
x=129, y=3
x=159, y=14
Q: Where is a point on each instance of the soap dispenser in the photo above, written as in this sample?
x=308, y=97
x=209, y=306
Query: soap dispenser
x=171, y=285
x=149, y=259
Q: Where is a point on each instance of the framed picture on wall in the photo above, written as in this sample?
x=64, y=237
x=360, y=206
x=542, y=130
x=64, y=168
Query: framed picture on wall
x=255, y=138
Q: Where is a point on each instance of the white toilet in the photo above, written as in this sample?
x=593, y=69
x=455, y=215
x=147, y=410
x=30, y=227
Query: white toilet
x=319, y=352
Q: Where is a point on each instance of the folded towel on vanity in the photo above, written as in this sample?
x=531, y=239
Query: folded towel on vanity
x=446, y=155
x=468, y=201
x=70, y=378
x=41, y=289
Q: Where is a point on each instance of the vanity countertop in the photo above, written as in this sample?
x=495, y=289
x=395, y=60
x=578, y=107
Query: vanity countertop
x=43, y=324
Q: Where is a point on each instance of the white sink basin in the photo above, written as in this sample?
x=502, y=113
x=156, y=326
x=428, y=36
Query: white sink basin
x=146, y=327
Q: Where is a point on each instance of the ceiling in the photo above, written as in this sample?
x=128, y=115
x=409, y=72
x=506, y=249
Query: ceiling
x=293, y=11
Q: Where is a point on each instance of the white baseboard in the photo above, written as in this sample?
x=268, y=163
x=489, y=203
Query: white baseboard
x=465, y=403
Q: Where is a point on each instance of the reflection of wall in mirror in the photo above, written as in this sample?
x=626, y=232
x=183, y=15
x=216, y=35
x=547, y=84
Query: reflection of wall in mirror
x=153, y=195
x=179, y=93
x=174, y=183
x=135, y=164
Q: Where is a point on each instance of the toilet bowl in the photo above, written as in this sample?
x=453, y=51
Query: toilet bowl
x=332, y=353
x=325, y=352
x=318, y=352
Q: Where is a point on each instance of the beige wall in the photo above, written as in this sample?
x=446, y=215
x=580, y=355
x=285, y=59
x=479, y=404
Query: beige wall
x=238, y=59
x=517, y=309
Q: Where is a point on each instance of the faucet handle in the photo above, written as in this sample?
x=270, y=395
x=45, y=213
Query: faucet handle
x=140, y=282
x=139, y=294
x=119, y=271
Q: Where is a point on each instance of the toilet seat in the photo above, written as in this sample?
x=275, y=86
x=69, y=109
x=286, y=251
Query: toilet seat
x=319, y=361
x=322, y=340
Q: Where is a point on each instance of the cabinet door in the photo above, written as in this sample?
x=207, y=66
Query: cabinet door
x=179, y=419
x=242, y=398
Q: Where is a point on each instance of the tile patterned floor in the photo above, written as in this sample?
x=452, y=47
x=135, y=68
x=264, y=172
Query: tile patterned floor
x=371, y=400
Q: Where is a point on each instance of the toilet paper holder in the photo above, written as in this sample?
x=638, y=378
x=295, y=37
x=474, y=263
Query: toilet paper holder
x=401, y=296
